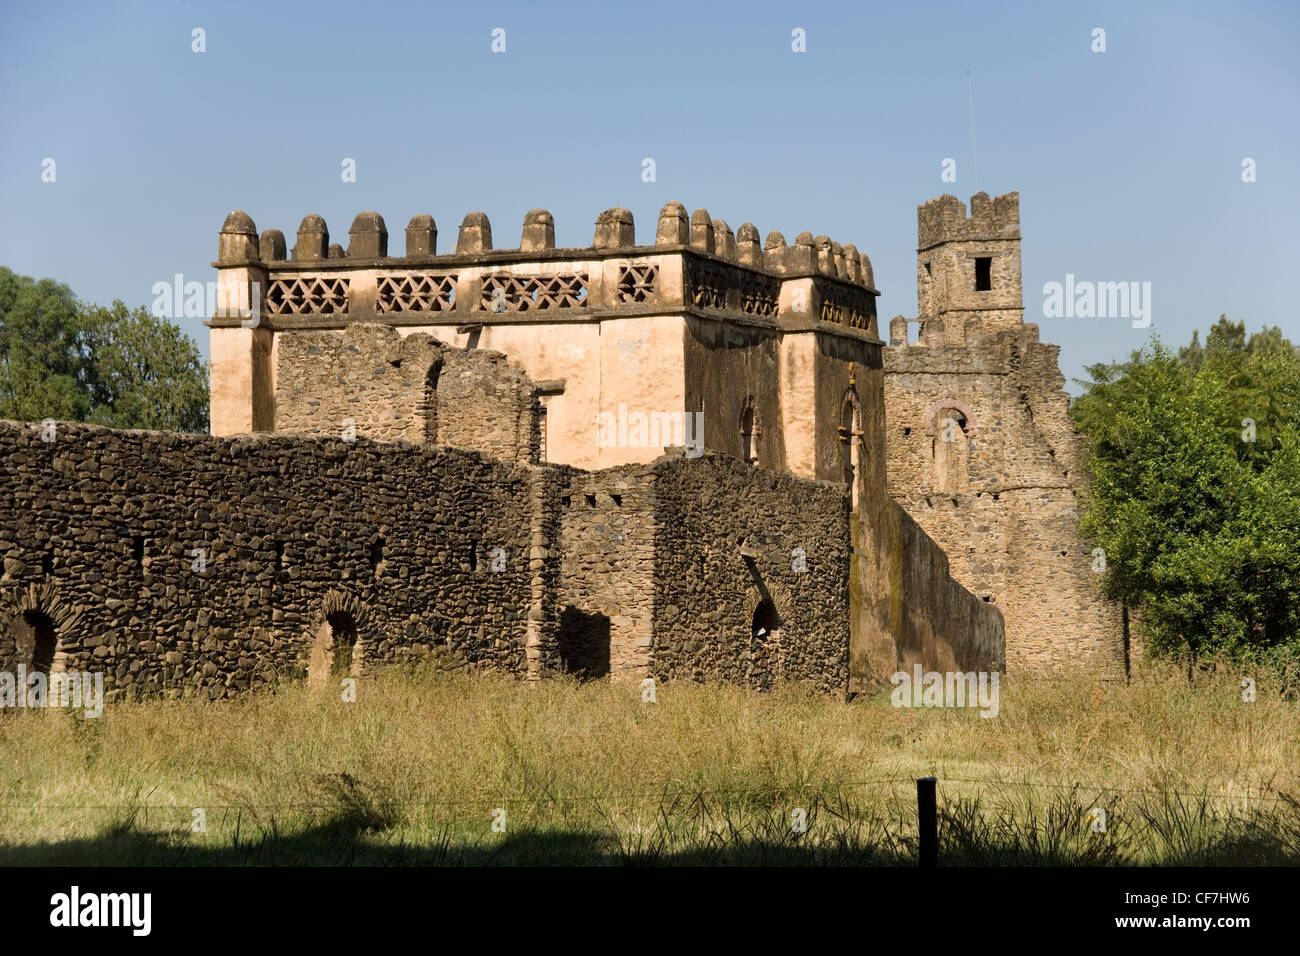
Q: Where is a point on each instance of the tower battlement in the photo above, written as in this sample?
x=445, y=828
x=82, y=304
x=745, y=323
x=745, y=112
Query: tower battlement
x=968, y=268
x=944, y=219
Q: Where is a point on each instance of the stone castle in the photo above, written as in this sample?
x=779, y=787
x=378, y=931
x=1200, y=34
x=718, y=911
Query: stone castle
x=691, y=460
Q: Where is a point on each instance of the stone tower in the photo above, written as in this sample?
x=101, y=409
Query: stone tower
x=968, y=269
x=981, y=450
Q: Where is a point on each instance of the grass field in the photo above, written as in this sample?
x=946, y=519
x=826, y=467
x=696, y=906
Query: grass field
x=417, y=770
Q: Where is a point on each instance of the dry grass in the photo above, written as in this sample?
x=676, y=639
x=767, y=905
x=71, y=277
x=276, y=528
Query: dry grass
x=586, y=773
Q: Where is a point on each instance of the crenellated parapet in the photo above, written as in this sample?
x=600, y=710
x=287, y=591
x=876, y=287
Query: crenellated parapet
x=696, y=265
x=944, y=219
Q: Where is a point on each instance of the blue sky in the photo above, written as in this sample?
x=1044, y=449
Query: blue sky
x=1128, y=162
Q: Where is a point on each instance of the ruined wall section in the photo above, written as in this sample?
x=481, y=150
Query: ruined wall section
x=726, y=539
x=606, y=599
x=101, y=527
x=413, y=388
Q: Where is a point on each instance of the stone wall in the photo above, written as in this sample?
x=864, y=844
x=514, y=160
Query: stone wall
x=1004, y=498
x=730, y=537
x=192, y=564
x=607, y=600
x=100, y=528
x=412, y=387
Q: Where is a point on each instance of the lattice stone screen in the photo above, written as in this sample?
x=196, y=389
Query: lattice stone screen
x=637, y=283
x=506, y=293
x=315, y=294
x=759, y=296
x=416, y=293
x=850, y=310
x=708, y=286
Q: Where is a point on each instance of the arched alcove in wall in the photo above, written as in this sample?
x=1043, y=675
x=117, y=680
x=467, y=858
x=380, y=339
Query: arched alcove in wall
x=337, y=648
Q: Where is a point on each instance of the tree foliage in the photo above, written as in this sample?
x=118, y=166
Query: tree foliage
x=65, y=360
x=1195, y=457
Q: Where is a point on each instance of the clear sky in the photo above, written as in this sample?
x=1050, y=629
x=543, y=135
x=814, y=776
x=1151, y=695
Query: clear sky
x=1128, y=162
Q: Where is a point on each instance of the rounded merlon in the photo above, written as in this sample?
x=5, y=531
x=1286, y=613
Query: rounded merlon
x=272, y=246
x=673, y=228
x=240, y=223
x=421, y=236
x=615, y=229
x=475, y=234
x=368, y=222
x=368, y=237
x=702, y=231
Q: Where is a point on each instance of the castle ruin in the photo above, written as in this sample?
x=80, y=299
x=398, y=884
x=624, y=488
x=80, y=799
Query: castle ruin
x=689, y=460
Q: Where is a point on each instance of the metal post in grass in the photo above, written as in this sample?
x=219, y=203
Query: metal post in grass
x=927, y=816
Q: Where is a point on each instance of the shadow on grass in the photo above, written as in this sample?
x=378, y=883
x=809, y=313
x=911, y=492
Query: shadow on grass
x=359, y=826
x=327, y=845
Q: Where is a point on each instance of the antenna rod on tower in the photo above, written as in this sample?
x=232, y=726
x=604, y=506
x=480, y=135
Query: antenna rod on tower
x=975, y=166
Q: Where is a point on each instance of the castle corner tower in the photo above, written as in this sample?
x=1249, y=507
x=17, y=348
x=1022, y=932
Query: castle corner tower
x=980, y=447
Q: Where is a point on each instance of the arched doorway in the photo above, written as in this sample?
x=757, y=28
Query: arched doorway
x=335, y=651
x=38, y=643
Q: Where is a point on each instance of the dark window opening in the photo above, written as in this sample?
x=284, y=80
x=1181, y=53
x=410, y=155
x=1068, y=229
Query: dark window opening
x=765, y=634
x=47, y=562
x=983, y=274
x=376, y=554
x=473, y=556
x=927, y=270
x=431, y=404
x=617, y=499
x=567, y=501
x=591, y=500
x=584, y=641
x=279, y=555
x=137, y=550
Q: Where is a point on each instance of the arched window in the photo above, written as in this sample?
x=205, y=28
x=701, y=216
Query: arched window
x=764, y=644
x=38, y=642
x=850, y=433
x=951, y=452
x=751, y=429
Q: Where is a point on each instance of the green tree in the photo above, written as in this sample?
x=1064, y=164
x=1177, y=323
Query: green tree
x=143, y=371
x=124, y=368
x=42, y=368
x=1196, y=495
